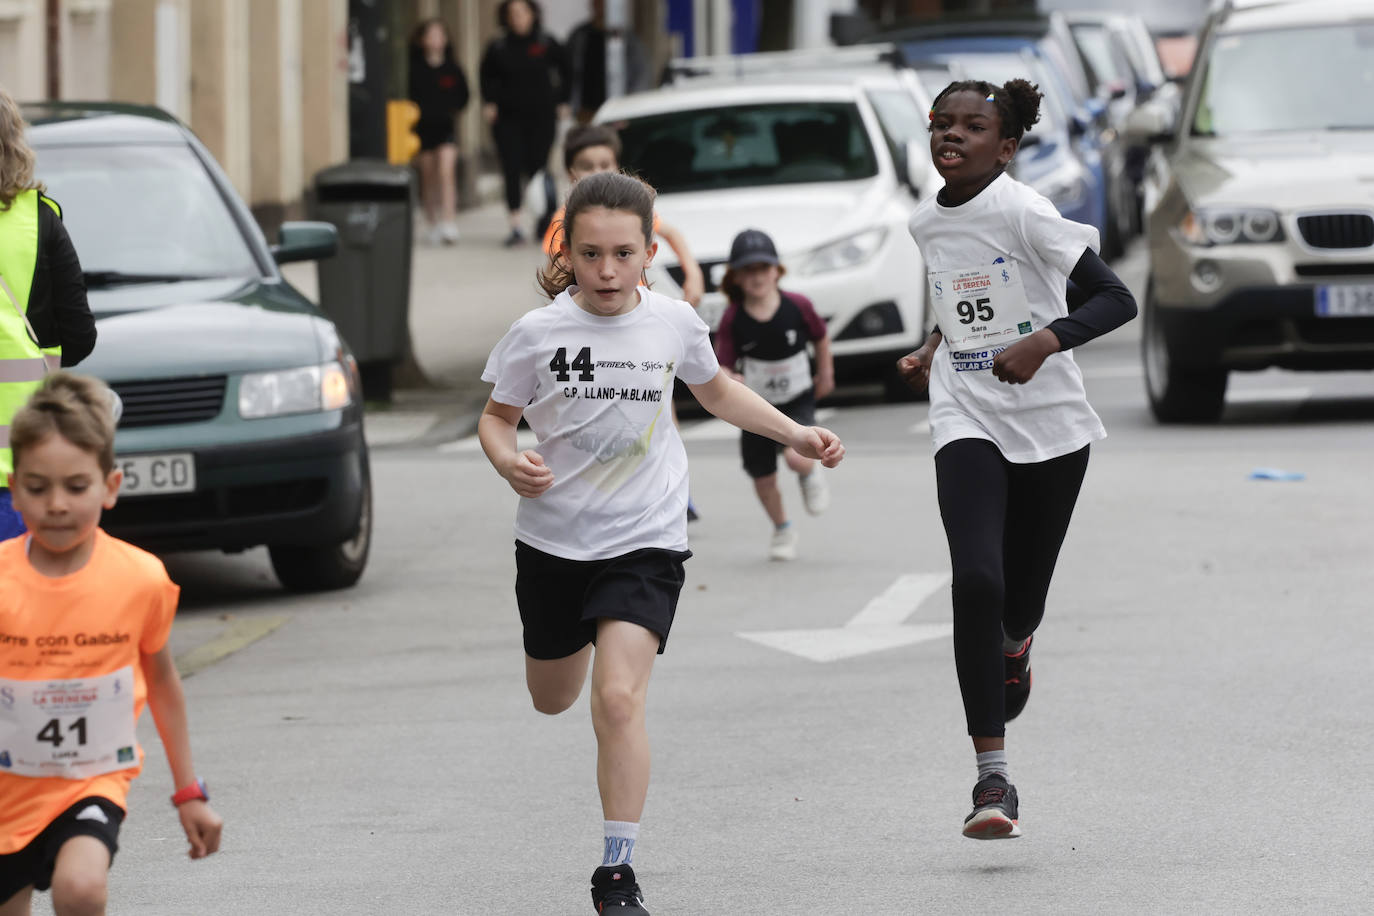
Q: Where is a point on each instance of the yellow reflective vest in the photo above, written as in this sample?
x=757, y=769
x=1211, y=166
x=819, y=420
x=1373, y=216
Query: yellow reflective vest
x=22, y=362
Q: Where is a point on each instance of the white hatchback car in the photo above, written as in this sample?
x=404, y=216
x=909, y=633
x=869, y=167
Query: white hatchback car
x=828, y=160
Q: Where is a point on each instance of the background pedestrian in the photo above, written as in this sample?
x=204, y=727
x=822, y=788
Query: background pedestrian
x=524, y=82
x=587, y=52
x=45, y=320
x=439, y=88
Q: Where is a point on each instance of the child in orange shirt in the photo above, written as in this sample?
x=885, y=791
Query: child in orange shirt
x=84, y=621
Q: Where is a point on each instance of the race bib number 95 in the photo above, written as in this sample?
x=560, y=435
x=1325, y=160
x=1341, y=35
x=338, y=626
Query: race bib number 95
x=980, y=307
x=73, y=729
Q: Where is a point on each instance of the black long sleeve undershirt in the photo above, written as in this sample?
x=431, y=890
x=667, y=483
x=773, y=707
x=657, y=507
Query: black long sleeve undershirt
x=1098, y=302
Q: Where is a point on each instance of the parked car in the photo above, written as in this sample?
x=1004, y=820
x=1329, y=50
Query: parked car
x=1262, y=242
x=829, y=160
x=242, y=419
x=1099, y=146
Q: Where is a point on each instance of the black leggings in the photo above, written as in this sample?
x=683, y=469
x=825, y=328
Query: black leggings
x=523, y=142
x=1005, y=523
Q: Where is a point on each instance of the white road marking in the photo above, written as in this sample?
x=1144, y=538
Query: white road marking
x=716, y=430
x=1253, y=395
x=880, y=625
x=1130, y=371
x=920, y=428
x=524, y=439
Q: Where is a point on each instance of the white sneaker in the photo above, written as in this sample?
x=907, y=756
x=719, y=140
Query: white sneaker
x=434, y=236
x=815, y=492
x=448, y=232
x=783, y=545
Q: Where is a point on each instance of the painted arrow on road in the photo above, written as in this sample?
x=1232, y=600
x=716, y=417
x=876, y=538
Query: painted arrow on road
x=880, y=625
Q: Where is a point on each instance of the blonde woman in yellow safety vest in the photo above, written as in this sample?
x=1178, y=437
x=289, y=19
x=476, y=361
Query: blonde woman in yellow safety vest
x=45, y=321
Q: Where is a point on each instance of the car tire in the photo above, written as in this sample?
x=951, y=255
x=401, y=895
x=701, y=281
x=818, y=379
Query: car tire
x=333, y=566
x=1178, y=394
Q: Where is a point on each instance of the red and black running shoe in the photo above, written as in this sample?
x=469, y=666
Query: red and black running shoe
x=614, y=891
x=1018, y=686
x=994, y=810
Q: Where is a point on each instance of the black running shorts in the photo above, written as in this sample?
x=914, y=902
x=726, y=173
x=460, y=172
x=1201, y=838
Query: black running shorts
x=760, y=453
x=93, y=816
x=561, y=600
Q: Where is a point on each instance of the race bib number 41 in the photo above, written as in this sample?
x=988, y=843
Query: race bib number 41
x=73, y=729
x=980, y=307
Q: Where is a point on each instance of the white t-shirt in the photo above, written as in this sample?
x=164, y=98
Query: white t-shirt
x=597, y=393
x=1048, y=416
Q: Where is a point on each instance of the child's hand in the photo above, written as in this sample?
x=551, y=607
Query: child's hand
x=202, y=826
x=489, y=112
x=528, y=475
x=819, y=443
x=1018, y=363
x=914, y=368
x=823, y=383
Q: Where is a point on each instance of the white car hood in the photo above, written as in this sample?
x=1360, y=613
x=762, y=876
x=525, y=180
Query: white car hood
x=797, y=217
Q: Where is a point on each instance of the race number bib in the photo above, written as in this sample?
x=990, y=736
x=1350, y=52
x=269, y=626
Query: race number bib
x=778, y=380
x=73, y=729
x=980, y=307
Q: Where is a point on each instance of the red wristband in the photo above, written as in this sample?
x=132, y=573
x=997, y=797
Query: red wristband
x=193, y=791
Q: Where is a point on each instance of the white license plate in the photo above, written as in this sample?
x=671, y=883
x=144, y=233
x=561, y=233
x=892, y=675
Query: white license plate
x=1348, y=301
x=150, y=475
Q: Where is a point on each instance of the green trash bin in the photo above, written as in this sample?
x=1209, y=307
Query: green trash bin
x=365, y=288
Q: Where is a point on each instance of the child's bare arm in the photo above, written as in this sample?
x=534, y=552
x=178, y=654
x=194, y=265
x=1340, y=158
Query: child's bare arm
x=735, y=403
x=693, y=282
x=825, y=368
x=168, y=705
x=524, y=471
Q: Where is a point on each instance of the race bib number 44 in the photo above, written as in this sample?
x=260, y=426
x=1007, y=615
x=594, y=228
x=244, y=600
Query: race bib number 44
x=980, y=307
x=73, y=729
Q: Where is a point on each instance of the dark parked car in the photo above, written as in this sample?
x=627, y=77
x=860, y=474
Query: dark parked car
x=242, y=417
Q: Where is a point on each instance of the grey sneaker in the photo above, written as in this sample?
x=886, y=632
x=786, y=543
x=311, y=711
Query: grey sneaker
x=815, y=492
x=783, y=545
x=995, y=812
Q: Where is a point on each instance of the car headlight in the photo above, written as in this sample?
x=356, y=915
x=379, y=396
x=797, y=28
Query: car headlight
x=850, y=251
x=1230, y=226
x=309, y=389
x=1066, y=187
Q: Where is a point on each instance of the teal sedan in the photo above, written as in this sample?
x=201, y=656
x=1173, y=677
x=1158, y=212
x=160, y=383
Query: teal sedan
x=242, y=419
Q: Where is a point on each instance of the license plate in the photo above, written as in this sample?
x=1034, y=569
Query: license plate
x=151, y=475
x=1354, y=300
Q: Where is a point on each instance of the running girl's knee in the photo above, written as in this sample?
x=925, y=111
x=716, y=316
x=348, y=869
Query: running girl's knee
x=616, y=706
x=977, y=589
x=79, y=893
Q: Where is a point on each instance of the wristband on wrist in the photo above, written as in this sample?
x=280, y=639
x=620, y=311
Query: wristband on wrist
x=188, y=793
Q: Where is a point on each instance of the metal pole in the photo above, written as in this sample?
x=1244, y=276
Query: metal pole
x=617, y=21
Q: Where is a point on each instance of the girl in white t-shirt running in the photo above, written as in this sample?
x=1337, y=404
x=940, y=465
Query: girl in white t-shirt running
x=601, y=528
x=1009, y=417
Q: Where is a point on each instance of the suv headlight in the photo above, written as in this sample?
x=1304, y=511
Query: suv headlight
x=309, y=389
x=850, y=251
x=1229, y=226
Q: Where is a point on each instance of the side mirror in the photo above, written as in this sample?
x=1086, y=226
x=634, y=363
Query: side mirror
x=305, y=241
x=1116, y=90
x=1078, y=126
x=1148, y=124
x=1028, y=140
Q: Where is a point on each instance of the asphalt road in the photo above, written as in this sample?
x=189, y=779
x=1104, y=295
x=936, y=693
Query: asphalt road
x=1197, y=741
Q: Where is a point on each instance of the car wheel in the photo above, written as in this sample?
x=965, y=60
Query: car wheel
x=333, y=566
x=1178, y=394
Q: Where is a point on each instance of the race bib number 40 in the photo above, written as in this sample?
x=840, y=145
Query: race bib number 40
x=73, y=729
x=980, y=307
x=781, y=380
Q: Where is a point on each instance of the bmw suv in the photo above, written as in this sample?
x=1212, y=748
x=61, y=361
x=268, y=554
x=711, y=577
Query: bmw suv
x=1262, y=240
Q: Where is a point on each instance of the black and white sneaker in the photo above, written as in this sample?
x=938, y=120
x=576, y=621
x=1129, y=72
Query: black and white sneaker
x=614, y=891
x=994, y=810
x=1018, y=686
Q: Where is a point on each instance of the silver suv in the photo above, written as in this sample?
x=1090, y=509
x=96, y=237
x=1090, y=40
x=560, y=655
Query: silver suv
x=1262, y=239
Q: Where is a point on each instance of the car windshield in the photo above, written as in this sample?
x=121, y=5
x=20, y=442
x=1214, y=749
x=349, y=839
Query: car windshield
x=144, y=210
x=901, y=118
x=1258, y=82
x=748, y=145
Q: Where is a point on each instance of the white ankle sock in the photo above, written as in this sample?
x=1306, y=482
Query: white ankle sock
x=620, y=842
x=990, y=762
